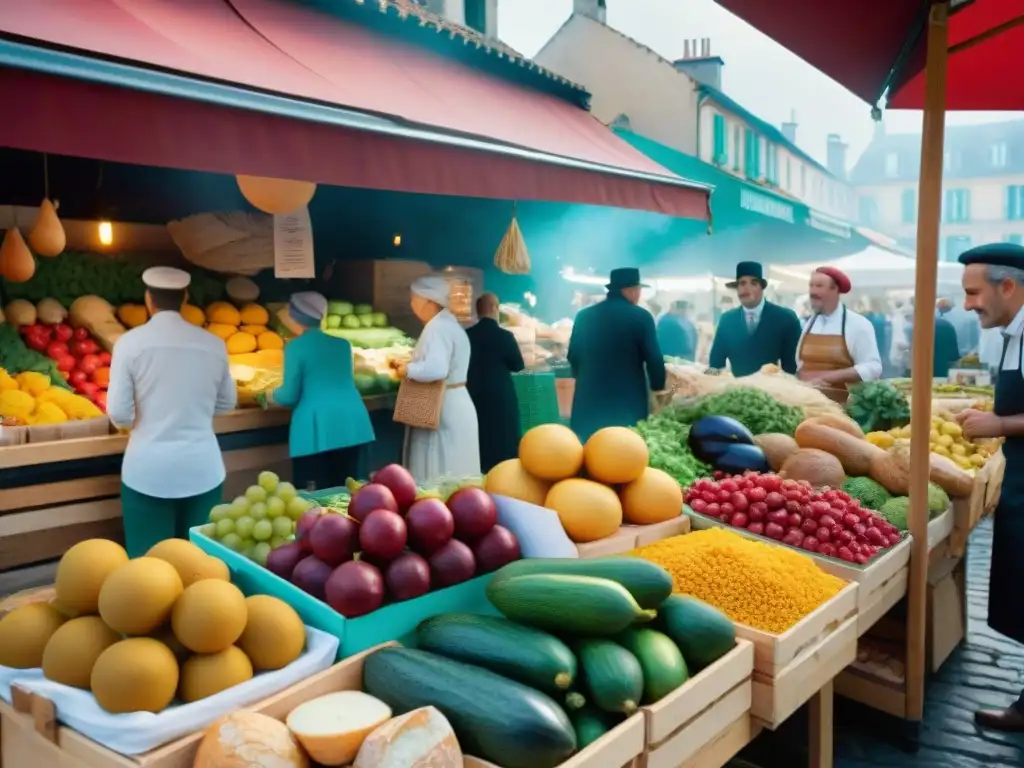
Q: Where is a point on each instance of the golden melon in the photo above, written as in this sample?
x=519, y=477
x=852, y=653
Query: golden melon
x=139, y=674
x=274, y=635
x=615, y=455
x=510, y=478
x=254, y=314
x=551, y=452
x=81, y=573
x=166, y=636
x=191, y=563
x=587, y=510
x=244, y=739
x=24, y=633
x=205, y=674
x=72, y=651
x=193, y=314
x=137, y=598
x=209, y=616
x=654, y=497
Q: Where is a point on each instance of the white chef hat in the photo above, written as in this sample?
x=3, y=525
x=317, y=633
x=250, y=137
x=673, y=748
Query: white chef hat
x=433, y=287
x=166, y=278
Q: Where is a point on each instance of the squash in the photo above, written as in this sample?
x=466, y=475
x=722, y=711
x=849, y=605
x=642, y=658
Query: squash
x=240, y=342
x=587, y=510
x=613, y=676
x=270, y=358
x=254, y=314
x=223, y=313
x=892, y=471
x=854, y=453
x=777, y=447
x=223, y=331
x=842, y=423
x=951, y=478
x=132, y=315
x=97, y=316
x=255, y=330
x=269, y=340
x=47, y=237
x=815, y=466
x=654, y=497
x=17, y=265
x=50, y=311
x=21, y=312
x=193, y=314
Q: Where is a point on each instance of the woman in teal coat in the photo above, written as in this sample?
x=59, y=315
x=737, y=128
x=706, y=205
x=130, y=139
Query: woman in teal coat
x=330, y=424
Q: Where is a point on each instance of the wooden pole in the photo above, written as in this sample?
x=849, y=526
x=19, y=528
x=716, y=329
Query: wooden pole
x=929, y=214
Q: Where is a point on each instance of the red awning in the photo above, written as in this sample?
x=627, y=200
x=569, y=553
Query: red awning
x=279, y=48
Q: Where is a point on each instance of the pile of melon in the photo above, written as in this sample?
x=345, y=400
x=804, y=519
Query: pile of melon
x=595, y=487
x=142, y=633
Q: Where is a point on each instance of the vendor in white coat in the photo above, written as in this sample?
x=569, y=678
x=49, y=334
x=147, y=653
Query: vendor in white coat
x=442, y=354
x=838, y=346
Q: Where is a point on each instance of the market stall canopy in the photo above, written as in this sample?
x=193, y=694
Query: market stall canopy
x=873, y=269
x=272, y=88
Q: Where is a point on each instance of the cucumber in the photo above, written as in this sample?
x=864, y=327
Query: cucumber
x=528, y=655
x=494, y=718
x=613, y=676
x=660, y=659
x=575, y=605
x=702, y=632
x=649, y=584
x=590, y=725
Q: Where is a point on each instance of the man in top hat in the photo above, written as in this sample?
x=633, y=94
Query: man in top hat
x=614, y=355
x=993, y=280
x=838, y=346
x=757, y=332
x=168, y=378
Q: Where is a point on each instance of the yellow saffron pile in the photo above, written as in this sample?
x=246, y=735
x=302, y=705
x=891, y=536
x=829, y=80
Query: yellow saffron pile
x=762, y=586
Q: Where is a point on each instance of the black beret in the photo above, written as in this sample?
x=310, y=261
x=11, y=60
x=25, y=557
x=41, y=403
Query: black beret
x=996, y=254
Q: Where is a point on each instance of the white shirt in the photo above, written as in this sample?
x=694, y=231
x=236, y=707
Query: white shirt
x=755, y=311
x=990, y=347
x=860, y=340
x=167, y=380
x=1011, y=336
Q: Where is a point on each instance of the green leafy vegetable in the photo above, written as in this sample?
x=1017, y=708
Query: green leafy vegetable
x=877, y=405
x=754, y=408
x=16, y=358
x=666, y=437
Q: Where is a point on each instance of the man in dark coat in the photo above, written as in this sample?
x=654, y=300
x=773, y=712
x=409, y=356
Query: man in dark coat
x=494, y=356
x=614, y=354
x=757, y=332
x=677, y=335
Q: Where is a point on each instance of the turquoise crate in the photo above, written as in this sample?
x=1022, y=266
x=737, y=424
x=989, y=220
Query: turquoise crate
x=397, y=621
x=537, y=398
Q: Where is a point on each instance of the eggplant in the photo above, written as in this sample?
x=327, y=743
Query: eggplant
x=711, y=436
x=739, y=457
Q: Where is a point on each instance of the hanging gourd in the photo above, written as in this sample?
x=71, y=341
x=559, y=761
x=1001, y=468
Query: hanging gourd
x=47, y=237
x=512, y=257
x=276, y=195
x=16, y=262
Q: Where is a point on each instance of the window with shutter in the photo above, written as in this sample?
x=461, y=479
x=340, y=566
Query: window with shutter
x=737, y=141
x=719, y=154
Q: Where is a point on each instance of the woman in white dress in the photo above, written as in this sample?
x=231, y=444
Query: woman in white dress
x=442, y=353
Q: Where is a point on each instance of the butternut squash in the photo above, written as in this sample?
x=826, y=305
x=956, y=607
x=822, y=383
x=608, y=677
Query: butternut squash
x=815, y=466
x=892, y=470
x=854, y=453
x=951, y=478
x=97, y=316
x=17, y=265
x=842, y=423
x=47, y=237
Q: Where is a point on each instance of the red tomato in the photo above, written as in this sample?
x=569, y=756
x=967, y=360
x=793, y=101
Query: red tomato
x=78, y=378
x=713, y=510
x=55, y=350
x=66, y=363
x=757, y=494
x=757, y=511
x=726, y=509
x=101, y=400
x=739, y=502
x=730, y=486
x=81, y=334
x=699, y=505
x=63, y=332
x=757, y=528
x=89, y=364
x=104, y=358
x=87, y=389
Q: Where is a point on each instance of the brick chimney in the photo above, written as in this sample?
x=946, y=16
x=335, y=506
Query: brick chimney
x=836, y=156
x=593, y=9
x=699, y=63
x=789, y=129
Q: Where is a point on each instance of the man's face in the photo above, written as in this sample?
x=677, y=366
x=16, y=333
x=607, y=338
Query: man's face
x=991, y=302
x=632, y=294
x=823, y=292
x=749, y=291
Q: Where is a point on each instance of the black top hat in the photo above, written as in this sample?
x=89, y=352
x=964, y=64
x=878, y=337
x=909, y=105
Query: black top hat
x=624, y=277
x=748, y=269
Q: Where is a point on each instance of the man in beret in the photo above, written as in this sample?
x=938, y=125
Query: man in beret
x=993, y=280
x=757, y=332
x=168, y=378
x=838, y=346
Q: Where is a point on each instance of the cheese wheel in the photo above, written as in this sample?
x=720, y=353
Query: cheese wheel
x=422, y=737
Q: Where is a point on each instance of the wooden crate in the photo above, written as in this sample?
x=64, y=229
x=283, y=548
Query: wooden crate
x=694, y=717
x=984, y=496
x=790, y=668
x=629, y=537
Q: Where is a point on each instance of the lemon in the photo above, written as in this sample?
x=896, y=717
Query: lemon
x=941, y=450
x=958, y=450
x=934, y=435
x=945, y=440
x=977, y=460
x=951, y=428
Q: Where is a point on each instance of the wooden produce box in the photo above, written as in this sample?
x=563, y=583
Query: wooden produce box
x=692, y=722
x=968, y=512
x=630, y=537
x=790, y=668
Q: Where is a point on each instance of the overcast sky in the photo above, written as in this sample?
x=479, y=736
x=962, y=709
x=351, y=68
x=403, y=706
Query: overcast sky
x=760, y=74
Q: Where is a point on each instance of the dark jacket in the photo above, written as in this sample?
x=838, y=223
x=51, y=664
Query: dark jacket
x=677, y=337
x=613, y=352
x=774, y=341
x=494, y=357
x=947, y=352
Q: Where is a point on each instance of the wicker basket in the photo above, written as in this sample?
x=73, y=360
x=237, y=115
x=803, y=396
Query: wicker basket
x=419, y=403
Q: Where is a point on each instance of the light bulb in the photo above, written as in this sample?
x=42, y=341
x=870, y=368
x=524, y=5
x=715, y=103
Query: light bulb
x=397, y=240
x=106, y=232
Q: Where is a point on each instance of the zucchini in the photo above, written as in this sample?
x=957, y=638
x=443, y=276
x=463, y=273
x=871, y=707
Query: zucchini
x=702, y=632
x=494, y=718
x=575, y=605
x=613, y=675
x=660, y=659
x=590, y=725
x=528, y=655
x=648, y=583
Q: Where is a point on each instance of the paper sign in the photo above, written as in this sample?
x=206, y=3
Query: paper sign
x=293, y=245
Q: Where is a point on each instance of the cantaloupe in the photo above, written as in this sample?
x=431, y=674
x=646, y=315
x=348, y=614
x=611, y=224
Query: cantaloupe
x=333, y=727
x=205, y=674
x=137, y=598
x=72, y=651
x=510, y=478
x=551, y=452
x=274, y=635
x=587, y=510
x=81, y=573
x=24, y=633
x=209, y=616
x=615, y=455
x=139, y=674
x=191, y=563
x=247, y=739
x=654, y=497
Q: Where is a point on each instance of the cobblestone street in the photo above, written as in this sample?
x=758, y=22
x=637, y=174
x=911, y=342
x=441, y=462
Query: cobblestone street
x=986, y=672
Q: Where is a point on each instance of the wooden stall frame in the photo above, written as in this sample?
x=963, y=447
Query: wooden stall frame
x=629, y=537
